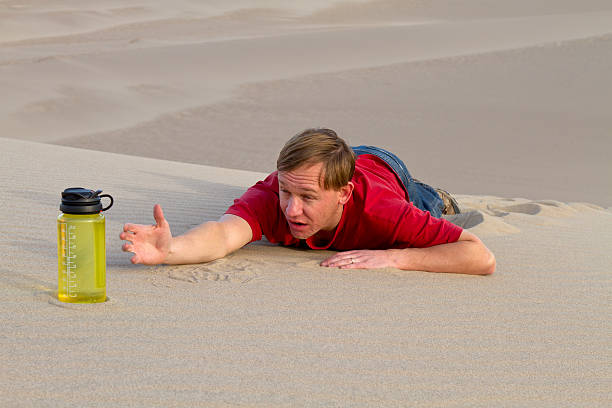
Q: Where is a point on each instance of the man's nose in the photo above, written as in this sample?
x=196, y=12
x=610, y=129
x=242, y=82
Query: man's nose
x=294, y=207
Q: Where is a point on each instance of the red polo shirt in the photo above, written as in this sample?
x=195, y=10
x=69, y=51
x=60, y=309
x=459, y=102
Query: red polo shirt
x=377, y=216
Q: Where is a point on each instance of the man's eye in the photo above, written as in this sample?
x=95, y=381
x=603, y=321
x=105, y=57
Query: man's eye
x=308, y=198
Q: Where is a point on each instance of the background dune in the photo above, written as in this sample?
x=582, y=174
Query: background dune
x=454, y=88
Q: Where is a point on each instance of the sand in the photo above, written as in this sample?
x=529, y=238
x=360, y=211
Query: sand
x=186, y=104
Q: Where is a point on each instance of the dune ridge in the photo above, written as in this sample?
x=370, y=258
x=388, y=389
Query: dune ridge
x=61, y=18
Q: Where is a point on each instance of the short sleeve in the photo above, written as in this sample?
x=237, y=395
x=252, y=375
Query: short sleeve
x=419, y=229
x=259, y=206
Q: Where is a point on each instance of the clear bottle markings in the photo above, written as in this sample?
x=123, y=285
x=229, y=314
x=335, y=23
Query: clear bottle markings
x=69, y=244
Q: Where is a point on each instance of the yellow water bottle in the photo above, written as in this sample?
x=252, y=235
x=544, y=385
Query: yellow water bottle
x=81, y=246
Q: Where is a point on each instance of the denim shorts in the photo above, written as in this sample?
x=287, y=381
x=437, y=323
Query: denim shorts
x=420, y=194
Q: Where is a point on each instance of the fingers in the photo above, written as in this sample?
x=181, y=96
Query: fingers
x=127, y=248
x=349, y=263
x=130, y=236
x=131, y=229
x=130, y=248
x=355, y=264
x=358, y=259
x=160, y=220
x=344, y=260
x=339, y=256
x=158, y=214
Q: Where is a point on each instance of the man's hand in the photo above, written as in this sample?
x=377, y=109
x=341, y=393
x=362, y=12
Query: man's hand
x=149, y=243
x=360, y=259
x=154, y=244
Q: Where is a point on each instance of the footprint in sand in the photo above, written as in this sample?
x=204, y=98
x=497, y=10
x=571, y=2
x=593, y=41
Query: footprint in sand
x=466, y=220
x=222, y=270
x=488, y=216
x=547, y=208
x=489, y=223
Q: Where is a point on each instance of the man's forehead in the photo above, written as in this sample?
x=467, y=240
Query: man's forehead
x=308, y=176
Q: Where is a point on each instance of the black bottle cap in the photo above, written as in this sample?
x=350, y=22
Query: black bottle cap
x=78, y=200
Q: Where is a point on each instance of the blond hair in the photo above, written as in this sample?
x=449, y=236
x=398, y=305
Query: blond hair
x=319, y=146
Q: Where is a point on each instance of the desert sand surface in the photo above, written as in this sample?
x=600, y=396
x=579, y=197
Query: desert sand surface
x=186, y=104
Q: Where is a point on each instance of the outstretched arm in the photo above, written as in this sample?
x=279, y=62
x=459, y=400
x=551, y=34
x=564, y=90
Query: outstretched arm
x=468, y=255
x=154, y=244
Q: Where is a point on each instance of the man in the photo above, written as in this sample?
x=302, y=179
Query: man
x=322, y=197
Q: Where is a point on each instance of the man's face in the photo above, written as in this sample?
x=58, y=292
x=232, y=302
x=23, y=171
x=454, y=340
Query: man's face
x=307, y=206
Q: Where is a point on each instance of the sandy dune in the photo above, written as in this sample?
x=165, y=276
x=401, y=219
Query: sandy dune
x=138, y=87
x=187, y=104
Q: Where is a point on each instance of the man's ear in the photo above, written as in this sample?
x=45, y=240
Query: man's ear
x=345, y=193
